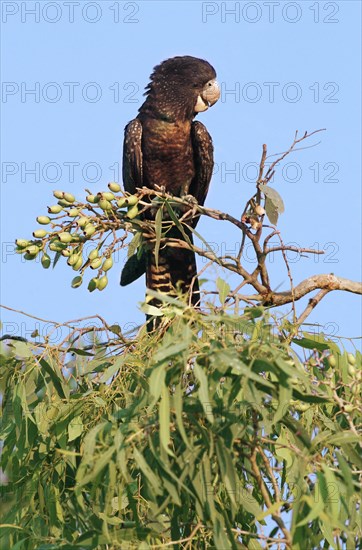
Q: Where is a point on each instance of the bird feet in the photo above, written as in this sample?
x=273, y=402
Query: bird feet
x=189, y=198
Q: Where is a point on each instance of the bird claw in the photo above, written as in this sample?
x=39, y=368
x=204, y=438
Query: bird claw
x=190, y=199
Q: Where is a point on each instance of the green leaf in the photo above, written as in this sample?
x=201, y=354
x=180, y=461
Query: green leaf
x=177, y=403
x=269, y=511
x=54, y=378
x=312, y=342
x=346, y=473
x=101, y=463
x=168, y=351
x=333, y=500
x=228, y=473
x=152, y=478
x=134, y=244
x=22, y=349
x=204, y=392
x=271, y=211
x=157, y=382
x=223, y=288
x=112, y=369
x=158, y=231
x=151, y=310
x=315, y=504
x=164, y=418
x=273, y=196
x=81, y=352
x=75, y=428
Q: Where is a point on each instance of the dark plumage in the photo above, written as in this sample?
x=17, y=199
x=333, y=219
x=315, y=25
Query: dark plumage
x=164, y=147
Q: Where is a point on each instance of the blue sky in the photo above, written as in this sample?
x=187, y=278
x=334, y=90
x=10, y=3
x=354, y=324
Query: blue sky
x=282, y=66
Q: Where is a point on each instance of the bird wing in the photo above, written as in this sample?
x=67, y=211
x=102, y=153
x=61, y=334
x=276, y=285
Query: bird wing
x=204, y=161
x=132, y=170
x=132, y=178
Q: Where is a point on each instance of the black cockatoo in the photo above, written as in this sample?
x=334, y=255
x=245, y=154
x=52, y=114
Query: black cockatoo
x=164, y=147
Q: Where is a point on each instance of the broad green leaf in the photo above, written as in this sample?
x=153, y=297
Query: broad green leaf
x=223, y=288
x=134, y=244
x=228, y=473
x=165, y=352
x=273, y=196
x=177, y=403
x=58, y=383
x=285, y=394
x=316, y=506
x=204, y=392
x=333, y=500
x=271, y=211
x=22, y=350
x=112, y=369
x=100, y=463
x=346, y=473
x=164, y=417
x=145, y=468
x=269, y=511
x=157, y=381
x=148, y=309
x=75, y=428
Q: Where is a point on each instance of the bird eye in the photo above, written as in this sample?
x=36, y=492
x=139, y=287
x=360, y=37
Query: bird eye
x=194, y=85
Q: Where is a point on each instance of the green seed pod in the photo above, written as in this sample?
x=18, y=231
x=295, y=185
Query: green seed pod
x=122, y=202
x=58, y=194
x=103, y=282
x=66, y=252
x=96, y=263
x=69, y=197
x=302, y=406
x=29, y=256
x=92, y=198
x=332, y=360
x=132, y=212
x=78, y=264
x=108, y=196
x=65, y=237
x=355, y=389
x=107, y=264
x=93, y=254
x=21, y=243
x=63, y=203
x=40, y=233
x=32, y=250
x=82, y=222
x=351, y=359
x=45, y=261
x=115, y=187
x=55, y=209
x=73, y=212
x=351, y=370
x=73, y=259
x=77, y=238
x=132, y=200
x=348, y=408
x=89, y=230
x=93, y=284
x=105, y=205
x=77, y=281
x=43, y=220
x=57, y=246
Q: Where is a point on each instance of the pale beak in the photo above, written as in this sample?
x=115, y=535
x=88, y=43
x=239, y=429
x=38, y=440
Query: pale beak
x=208, y=97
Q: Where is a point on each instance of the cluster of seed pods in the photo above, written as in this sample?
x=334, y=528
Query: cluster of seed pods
x=71, y=225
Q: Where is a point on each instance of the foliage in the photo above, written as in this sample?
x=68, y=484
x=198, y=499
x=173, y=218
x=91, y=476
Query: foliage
x=216, y=430
x=213, y=432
